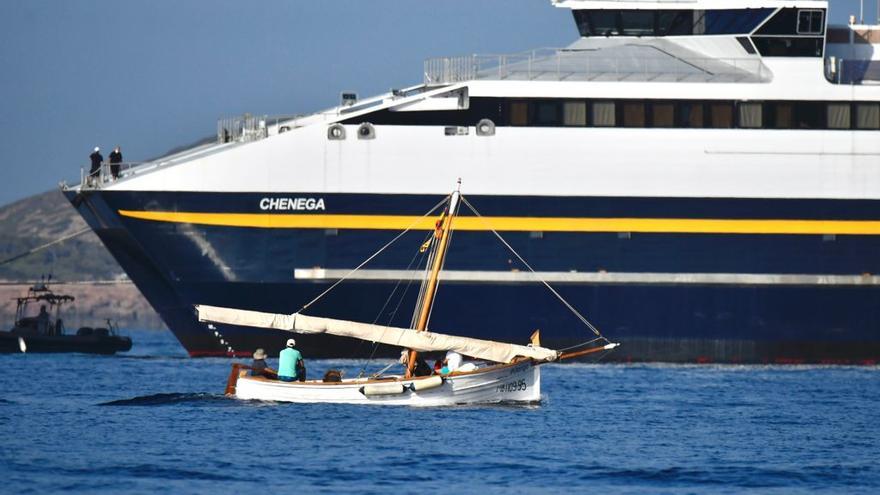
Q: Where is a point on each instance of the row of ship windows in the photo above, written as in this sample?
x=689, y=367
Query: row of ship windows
x=691, y=114
x=544, y=112
x=678, y=22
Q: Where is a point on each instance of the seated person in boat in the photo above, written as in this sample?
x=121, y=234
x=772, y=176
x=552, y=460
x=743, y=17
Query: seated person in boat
x=421, y=368
x=451, y=363
x=290, y=364
x=455, y=362
x=259, y=366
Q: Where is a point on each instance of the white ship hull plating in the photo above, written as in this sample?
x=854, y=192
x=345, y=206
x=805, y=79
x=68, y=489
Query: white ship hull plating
x=514, y=383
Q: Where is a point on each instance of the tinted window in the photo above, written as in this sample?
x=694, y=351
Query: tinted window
x=604, y=23
x=519, y=113
x=638, y=23
x=739, y=21
x=721, y=115
x=789, y=47
x=809, y=22
x=668, y=22
x=809, y=115
x=794, y=21
x=634, y=114
x=690, y=114
x=663, y=115
x=547, y=113
x=782, y=116
x=675, y=23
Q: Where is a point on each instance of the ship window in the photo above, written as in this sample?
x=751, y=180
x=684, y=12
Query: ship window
x=519, y=113
x=634, y=114
x=603, y=114
x=690, y=114
x=637, y=23
x=809, y=22
x=839, y=116
x=547, y=113
x=808, y=115
x=738, y=21
x=604, y=23
x=574, y=113
x=721, y=115
x=789, y=47
x=868, y=115
x=782, y=116
x=750, y=115
x=675, y=22
x=663, y=115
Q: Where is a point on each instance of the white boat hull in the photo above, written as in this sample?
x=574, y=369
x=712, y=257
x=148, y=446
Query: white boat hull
x=513, y=383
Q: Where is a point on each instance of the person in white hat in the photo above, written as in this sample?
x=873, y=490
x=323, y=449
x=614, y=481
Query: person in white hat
x=259, y=367
x=291, y=366
x=97, y=159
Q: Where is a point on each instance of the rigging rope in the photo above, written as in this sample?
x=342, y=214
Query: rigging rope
x=524, y=262
x=377, y=253
x=44, y=246
x=393, y=313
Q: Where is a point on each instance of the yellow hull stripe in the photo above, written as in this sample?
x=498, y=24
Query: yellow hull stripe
x=514, y=224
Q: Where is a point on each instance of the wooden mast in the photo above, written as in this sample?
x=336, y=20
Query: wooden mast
x=431, y=289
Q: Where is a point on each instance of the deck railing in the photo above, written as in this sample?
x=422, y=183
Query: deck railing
x=557, y=64
x=108, y=173
x=242, y=128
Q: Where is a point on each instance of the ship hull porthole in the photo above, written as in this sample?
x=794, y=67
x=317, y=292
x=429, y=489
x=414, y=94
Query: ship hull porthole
x=336, y=132
x=366, y=131
x=485, y=127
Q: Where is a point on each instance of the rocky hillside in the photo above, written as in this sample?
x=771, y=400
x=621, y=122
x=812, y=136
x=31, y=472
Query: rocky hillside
x=43, y=218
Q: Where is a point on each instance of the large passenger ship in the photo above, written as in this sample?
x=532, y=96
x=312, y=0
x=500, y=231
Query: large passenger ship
x=700, y=177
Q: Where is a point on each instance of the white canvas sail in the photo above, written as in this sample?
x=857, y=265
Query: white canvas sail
x=498, y=352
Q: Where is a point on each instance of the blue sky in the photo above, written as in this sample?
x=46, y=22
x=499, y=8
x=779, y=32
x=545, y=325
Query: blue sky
x=156, y=74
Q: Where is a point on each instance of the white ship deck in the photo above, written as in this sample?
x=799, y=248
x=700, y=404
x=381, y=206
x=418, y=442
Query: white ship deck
x=599, y=60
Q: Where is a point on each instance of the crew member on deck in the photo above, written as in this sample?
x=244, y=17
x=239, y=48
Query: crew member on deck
x=290, y=364
x=43, y=321
x=115, y=160
x=95, y=169
x=420, y=369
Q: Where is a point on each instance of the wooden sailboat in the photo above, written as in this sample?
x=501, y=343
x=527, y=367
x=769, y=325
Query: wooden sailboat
x=511, y=373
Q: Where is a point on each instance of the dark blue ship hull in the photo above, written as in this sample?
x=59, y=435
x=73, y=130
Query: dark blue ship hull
x=177, y=262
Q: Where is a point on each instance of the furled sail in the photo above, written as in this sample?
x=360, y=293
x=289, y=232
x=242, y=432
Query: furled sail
x=498, y=352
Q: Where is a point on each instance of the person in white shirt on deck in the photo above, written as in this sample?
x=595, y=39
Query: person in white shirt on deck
x=452, y=362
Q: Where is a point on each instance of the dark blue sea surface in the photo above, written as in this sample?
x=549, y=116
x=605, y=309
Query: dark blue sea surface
x=154, y=420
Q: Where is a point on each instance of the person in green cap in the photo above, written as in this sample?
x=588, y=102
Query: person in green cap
x=290, y=364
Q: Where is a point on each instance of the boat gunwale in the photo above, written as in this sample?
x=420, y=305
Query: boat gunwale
x=242, y=368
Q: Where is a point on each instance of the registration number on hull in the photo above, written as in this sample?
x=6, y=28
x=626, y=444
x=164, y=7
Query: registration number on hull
x=517, y=386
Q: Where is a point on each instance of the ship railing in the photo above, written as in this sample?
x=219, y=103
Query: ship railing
x=855, y=72
x=578, y=65
x=109, y=173
x=247, y=128
x=244, y=128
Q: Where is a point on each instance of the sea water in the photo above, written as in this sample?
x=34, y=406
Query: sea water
x=154, y=420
